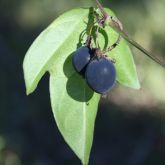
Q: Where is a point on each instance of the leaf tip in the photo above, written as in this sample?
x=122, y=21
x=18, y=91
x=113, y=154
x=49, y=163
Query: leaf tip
x=137, y=86
x=84, y=162
x=28, y=92
x=29, y=88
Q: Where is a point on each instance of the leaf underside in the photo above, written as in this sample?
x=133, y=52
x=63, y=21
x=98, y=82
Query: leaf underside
x=73, y=103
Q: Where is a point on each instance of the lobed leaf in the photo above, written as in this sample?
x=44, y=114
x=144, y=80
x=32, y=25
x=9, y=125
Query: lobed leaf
x=73, y=103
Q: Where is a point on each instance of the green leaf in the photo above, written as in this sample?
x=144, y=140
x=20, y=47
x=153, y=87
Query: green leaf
x=126, y=69
x=46, y=47
x=74, y=104
x=75, y=109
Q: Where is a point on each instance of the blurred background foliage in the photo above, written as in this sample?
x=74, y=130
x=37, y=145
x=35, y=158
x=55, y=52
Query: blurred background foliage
x=130, y=126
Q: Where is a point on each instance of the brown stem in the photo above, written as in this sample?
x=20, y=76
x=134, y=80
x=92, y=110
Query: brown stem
x=101, y=8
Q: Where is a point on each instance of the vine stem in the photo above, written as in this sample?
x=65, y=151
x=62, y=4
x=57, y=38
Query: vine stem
x=118, y=27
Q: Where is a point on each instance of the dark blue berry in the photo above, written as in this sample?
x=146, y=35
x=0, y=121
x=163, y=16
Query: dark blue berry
x=81, y=58
x=100, y=75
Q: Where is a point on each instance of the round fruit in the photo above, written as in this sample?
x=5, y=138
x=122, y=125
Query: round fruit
x=100, y=75
x=81, y=58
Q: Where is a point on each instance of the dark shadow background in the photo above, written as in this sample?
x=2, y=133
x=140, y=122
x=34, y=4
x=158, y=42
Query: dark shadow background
x=130, y=125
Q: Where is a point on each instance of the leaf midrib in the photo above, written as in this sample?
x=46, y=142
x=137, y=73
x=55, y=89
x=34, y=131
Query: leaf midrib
x=84, y=129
